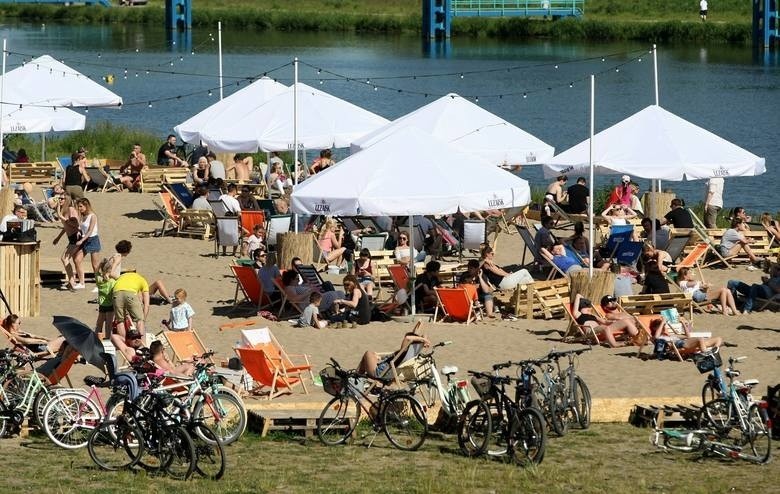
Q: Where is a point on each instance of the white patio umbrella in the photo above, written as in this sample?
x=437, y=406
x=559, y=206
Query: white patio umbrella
x=460, y=122
x=409, y=173
x=324, y=121
x=236, y=107
x=44, y=80
x=657, y=144
x=34, y=119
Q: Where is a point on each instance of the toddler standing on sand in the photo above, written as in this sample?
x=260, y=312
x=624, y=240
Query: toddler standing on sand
x=181, y=312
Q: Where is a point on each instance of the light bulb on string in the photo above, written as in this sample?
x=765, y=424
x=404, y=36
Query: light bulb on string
x=376, y=88
x=181, y=59
x=525, y=95
x=571, y=84
x=368, y=81
x=319, y=71
x=461, y=76
x=137, y=50
x=99, y=55
x=147, y=72
x=136, y=74
x=192, y=52
x=209, y=92
x=86, y=109
x=617, y=69
x=171, y=63
x=603, y=59
x=640, y=59
x=150, y=104
x=476, y=99
x=556, y=66
x=321, y=82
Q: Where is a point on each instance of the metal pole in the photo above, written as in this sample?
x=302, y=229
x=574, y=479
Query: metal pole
x=295, y=130
x=658, y=188
x=219, y=45
x=590, y=161
x=655, y=73
x=412, y=267
x=2, y=87
x=43, y=146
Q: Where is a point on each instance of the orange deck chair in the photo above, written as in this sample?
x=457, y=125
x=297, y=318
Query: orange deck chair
x=184, y=344
x=261, y=338
x=171, y=212
x=251, y=218
x=250, y=286
x=266, y=374
x=455, y=304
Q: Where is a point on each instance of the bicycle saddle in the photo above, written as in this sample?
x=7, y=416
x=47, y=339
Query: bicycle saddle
x=750, y=382
x=97, y=381
x=449, y=370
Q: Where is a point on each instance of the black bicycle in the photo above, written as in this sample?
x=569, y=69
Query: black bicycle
x=497, y=425
x=394, y=411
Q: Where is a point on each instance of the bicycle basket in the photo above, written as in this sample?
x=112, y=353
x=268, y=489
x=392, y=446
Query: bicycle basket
x=707, y=362
x=332, y=383
x=481, y=384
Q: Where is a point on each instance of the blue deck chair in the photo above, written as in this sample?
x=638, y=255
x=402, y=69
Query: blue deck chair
x=64, y=161
x=182, y=194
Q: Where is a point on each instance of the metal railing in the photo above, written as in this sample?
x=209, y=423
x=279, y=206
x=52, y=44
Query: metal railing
x=529, y=8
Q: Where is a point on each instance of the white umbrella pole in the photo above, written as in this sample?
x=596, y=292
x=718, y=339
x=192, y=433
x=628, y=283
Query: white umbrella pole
x=295, y=130
x=590, y=162
x=653, y=213
x=219, y=46
x=412, y=268
x=2, y=83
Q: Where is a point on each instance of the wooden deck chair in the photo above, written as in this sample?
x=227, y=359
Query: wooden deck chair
x=768, y=302
x=181, y=194
x=250, y=286
x=249, y=219
x=285, y=301
x=197, y=222
x=276, y=225
x=169, y=212
x=101, y=179
x=560, y=214
x=263, y=339
x=311, y=277
x=701, y=230
x=677, y=242
x=267, y=375
x=455, y=304
x=473, y=235
x=374, y=241
x=56, y=369
x=578, y=333
x=183, y=344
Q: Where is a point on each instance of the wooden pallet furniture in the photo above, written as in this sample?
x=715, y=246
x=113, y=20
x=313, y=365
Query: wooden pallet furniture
x=153, y=177
x=196, y=223
x=42, y=173
x=544, y=299
x=294, y=422
x=654, y=303
x=664, y=415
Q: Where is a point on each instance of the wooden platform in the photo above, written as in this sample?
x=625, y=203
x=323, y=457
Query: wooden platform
x=300, y=418
x=665, y=415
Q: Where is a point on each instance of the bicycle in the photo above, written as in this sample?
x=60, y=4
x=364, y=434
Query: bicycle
x=705, y=441
x=551, y=397
x=219, y=407
x=736, y=417
x=576, y=394
x=148, y=434
x=395, y=411
x=70, y=417
x=23, y=395
x=517, y=430
x=453, y=397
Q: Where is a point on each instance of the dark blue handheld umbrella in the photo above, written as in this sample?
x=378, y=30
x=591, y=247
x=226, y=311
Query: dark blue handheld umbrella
x=82, y=338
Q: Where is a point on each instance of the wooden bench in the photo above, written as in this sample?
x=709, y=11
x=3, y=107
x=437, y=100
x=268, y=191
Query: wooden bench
x=175, y=176
x=152, y=178
x=652, y=304
x=759, y=238
x=541, y=299
x=42, y=173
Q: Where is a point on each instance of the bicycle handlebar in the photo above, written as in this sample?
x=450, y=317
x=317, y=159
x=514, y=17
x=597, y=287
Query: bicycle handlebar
x=576, y=351
x=492, y=377
x=736, y=360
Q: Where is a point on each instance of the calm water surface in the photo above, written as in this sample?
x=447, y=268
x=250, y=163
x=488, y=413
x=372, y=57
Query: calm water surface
x=719, y=88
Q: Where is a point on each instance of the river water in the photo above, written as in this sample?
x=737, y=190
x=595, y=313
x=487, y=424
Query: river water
x=722, y=89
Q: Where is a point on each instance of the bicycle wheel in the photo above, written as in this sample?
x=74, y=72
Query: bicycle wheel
x=404, y=422
x=759, y=435
x=338, y=420
x=710, y=391
x=474, y=428
x=177, y=453
x=115, y=444
x=558, y=410
x=527, y=437
x=224, y=413
x=3, y=419
x=717, y=414
x=209, y=454
x=69, y=419
x=42, y=398
x=582, y=402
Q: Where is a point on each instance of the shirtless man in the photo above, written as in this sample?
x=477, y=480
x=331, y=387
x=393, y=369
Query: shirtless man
x=556, y=189
x=131, y=170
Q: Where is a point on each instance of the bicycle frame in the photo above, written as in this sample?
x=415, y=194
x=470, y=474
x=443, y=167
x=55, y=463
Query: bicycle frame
x=447, y=394
x=34, y=385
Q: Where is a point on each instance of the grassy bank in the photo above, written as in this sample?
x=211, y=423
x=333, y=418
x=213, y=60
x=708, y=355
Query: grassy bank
x=652, y=20
x=606, y=458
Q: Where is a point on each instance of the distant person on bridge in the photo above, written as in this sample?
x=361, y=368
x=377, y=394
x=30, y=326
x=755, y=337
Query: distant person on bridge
x=703, y=10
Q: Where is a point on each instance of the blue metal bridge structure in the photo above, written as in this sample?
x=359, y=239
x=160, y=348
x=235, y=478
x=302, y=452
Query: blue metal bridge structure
x=766, y=23
x=438, y=14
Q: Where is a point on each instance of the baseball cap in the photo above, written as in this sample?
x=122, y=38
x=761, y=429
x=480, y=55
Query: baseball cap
x=607, y=299
x=626, y=179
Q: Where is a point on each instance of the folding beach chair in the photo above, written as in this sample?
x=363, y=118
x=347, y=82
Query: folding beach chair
x=701, y=230
x=181, y=193
x=473, y=235
x=218, y=207
x=101, y=179
x=373, y=242
x=169, y=212
x=677, y=243
x=455, y=304
x=65, y=162
x=530, y=246
x=579, y=333
x=277, y=224
x=311, y=277
x=266, y=374
x=251, y=218
x=250, y=286
x=183, y=344
x=228, y=233
x=286, y=301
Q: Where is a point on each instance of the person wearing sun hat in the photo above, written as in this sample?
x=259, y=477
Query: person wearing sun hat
x=621, y=194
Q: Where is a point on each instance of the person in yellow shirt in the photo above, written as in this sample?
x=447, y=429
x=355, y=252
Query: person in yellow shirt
x=131, y=298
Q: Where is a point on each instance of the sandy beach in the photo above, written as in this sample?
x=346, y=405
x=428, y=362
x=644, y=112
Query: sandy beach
x=190, y=264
